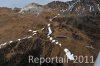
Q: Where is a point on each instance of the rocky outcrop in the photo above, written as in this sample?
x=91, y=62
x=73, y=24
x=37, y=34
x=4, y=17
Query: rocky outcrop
x=84, y=7
x=58, y=5
x=32, y=8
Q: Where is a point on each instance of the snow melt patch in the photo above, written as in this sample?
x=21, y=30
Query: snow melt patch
x=34, y=31
x=30, y=37
x=19, y=39
x=42, y=29
x=60, y=44
x=10, y=41
x=49, y=30
x=51, y=38
x=34, y=34
x=68, y=54
x=53, y=41
x=30, y=30
x=57, y=42
x=3, y=45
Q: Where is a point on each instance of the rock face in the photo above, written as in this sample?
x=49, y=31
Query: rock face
x=74, y=26
x=87, y=0
x=57, y=5
x=84, y=7
x=32, y=8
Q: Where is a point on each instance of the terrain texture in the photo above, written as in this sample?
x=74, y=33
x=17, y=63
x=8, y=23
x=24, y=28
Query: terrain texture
x=75, y=25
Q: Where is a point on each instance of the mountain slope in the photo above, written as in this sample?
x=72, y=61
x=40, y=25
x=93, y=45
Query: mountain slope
x=50, y=33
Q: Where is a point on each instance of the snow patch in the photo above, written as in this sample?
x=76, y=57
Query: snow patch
x=68, y=54
x=57, y=42
x=30, y=30
x=19, y=39
x=49, y=30
x=10, y=41
x=34, y=31
x=53, y=41
x=51, y=38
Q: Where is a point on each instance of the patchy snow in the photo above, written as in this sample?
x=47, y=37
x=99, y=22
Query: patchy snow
x=60, y=44
x=10, y=41
x=49, y=30
x=48, y=25
x=29, y=37
x=34, y=31
x=57, y=42
x=24, y=37
x=30, y=30
x=3, y=45
x=42, y=29
x=68, y=54
x=34, y=34
x=55, y=16
x=51, y=38
x=18, y=39
x=53, y=41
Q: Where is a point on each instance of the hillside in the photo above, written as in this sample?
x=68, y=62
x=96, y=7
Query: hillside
x=49, y=31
